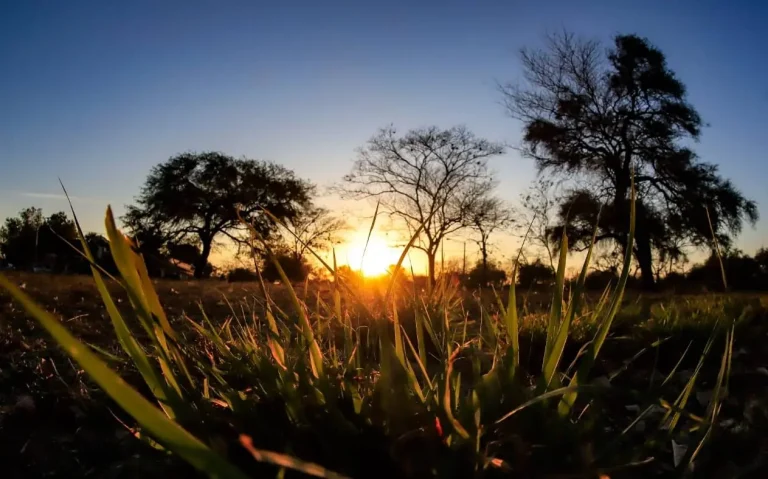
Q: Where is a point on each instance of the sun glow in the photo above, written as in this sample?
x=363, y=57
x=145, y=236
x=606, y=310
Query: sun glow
x=373, y=260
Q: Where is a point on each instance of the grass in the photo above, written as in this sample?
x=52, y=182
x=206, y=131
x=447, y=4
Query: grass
x=167, y=378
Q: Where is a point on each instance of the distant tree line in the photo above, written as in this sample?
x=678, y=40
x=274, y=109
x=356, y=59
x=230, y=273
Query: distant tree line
x=598, y=123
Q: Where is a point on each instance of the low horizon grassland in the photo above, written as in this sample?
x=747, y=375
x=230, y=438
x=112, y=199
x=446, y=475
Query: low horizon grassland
x=261, y=380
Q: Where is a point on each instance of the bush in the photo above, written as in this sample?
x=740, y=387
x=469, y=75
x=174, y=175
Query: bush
x=241, y=275
x=535, y=275
x=484, y=276
x=599, y=280
x=295, y=268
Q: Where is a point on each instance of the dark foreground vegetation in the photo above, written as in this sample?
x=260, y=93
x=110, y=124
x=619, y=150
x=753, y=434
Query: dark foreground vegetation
x=439, y=387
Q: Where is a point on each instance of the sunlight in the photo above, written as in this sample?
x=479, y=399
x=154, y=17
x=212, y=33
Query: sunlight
x=378, y=255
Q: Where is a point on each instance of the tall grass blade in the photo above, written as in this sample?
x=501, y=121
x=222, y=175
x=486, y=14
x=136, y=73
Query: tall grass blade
x=164, y=430
x=127, y=341
x=555, y=314
x=566, y=403
x=556, y=352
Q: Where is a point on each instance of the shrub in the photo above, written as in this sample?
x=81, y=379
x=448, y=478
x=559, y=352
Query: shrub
x=241, y=275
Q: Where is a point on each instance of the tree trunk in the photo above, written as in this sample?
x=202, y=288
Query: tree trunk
x=484, y=253
x=202, y=261
x=644, y=257
x=431, y=267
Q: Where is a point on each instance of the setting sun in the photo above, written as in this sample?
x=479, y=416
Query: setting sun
x=378, y=256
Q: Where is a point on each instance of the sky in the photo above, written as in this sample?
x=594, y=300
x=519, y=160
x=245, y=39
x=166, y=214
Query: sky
x=96, y=93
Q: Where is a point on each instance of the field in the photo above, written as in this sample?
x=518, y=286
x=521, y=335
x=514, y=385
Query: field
x=446, y=394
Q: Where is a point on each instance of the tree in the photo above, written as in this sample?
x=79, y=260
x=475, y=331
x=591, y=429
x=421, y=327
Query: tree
x=742, y=272
x=539, y=203
x=485, y=274
x=196, y=197
x=314, y=228
x=490, y=216
x=596, y=119
x=430, y=177
x=32, y=240
x=99, y=247
x=19, y=238
x=295, y=268
x=535, y=275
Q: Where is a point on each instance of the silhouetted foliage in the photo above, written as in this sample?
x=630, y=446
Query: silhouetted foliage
x=195, y=198
x=241, y=275
x=535, y=275
x=32, y=241
x=431, y=177
x=598, y=118
x=598, y=280
x=313, y=228
x=485, y=275
x=742, y=273
x=99, y=247
x=490, y=215
x=295, y=268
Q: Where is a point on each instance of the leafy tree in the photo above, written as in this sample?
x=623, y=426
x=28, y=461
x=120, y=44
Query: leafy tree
x=241, y=274
x=761, y=256
x=430, y=177
x=742, y=272
x=99, y=246
x=196, y=197
x=535, y=275
x=32, y=240
x=599, y=279
x=296, y=269
x=485, y=274
x=596, y=119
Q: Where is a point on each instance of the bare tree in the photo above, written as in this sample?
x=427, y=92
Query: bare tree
x=539, y=204
x=490, y=216
x=314, y=228
x=430, y=177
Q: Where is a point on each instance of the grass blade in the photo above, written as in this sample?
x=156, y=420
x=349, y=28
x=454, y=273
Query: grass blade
x=164, y=430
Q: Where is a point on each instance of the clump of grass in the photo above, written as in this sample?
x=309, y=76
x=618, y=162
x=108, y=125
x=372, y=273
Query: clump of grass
x=339, y=389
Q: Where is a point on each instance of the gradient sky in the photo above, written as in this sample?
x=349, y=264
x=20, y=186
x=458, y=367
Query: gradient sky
x=98, y=92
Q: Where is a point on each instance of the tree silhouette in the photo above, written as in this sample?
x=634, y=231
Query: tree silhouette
x=598, y=118
x=430, y=177
x=314, y=228
x=295, y=268
x=535, y=275
x=31, y=240
x=485, y=274
x=195, y=198
x=490, y=216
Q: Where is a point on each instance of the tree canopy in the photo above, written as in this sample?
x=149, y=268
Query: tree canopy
x=196, y=198
x=32, y=240
x=597, y=119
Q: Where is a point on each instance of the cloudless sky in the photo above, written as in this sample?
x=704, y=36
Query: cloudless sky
x=98, y=92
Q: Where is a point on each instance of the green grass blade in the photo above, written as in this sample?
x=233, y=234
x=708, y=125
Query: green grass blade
x=672, y=417
x=512, y=324
x=556, y=352
x=164, y=430
x=590, y=357
x=315, y=354
x=556, y=310
x=127, y=341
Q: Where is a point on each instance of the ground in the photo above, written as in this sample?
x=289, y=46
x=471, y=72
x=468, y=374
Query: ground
x=54, y=422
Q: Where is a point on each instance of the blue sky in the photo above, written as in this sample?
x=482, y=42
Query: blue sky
x=98, y=92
